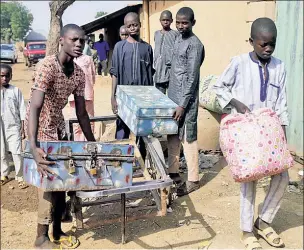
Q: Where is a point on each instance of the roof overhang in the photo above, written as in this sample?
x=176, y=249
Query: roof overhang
x=103, y=21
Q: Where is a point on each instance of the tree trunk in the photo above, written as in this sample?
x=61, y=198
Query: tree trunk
x=57, y=9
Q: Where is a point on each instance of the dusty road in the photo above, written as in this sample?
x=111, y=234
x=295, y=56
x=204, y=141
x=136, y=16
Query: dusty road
x=209, y=214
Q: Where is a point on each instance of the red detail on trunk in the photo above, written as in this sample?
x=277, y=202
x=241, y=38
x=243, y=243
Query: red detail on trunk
x=50, y=149
x=129, y=150
x=77, y=181
x=127, y=178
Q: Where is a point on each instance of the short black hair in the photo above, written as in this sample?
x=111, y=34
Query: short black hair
x=6, y=66
x=101, y=36
x=262, y=25
x=167, y=13
x=186, y=11
x=133, y=15
x=69, y=27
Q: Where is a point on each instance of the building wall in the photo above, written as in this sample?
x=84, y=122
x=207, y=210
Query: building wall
x=222, y=26
x=290, y=50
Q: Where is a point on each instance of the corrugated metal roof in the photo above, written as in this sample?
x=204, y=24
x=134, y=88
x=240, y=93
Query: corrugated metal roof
x=34, y=36
x=106, y=19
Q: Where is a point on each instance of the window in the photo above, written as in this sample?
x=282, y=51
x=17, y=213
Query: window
x=7, y=47
x=37, y=46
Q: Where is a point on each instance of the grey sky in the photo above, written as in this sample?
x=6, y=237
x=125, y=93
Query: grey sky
x=80, y=12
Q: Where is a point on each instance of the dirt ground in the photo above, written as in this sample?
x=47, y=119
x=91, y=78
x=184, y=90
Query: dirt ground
x=209, y=215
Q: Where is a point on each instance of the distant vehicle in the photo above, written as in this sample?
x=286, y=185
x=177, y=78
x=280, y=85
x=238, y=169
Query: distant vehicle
x=9, y=53
x=34, y=52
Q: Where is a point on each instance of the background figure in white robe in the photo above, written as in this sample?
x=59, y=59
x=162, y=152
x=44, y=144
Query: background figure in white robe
x=252, y=81
x=12, y=131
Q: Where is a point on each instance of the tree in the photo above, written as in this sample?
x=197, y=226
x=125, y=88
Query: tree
x=57, y=9
x=100, y=14
x=16, y=20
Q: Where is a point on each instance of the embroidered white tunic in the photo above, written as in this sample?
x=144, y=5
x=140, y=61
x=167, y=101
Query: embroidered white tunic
x=12, y=114
x=244, y=80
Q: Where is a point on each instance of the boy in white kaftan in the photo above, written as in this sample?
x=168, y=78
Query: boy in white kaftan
x=258, y=92
x=252, y=81
x=12, y=132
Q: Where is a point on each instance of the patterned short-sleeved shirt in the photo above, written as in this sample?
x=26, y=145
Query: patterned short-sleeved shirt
x=50, y=78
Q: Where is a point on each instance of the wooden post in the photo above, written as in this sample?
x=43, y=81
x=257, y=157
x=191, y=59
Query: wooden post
x=146, y=20
x=123, y=218
x=164, y=196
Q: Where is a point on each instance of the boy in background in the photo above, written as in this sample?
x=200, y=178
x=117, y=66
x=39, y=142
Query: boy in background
x=12, y=126
x=87, y=65
x=164, y=43
x=131, y=65
x=87, y=50
x=123, y=34
x=251, y=81
x=188, y=57
x=103, y=49
x=94, y=55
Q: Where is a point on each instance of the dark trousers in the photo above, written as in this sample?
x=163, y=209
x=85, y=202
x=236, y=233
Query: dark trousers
x=123, y=132
x=50, y=204
x=162, y=86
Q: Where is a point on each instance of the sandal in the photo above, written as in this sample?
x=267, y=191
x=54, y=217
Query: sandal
x=4, y=180
x=187, y=188
x=251, y=243
x=269, y=235
x=68, y=241
x=46, y=244
x=22, y=185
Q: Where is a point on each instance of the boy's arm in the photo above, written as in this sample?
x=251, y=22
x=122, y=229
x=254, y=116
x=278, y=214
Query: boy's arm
x=107, y=50
x=194, y=62
x=151, y=60
x=83, y=117
x=43, y=79
x=224, y=86
x=113, y=96
x=281, y=105
x=114, y=71
x=39, y=155
x=93, y=70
